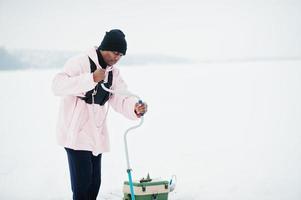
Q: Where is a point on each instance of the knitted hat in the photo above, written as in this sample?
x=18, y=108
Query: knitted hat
x=114, y=40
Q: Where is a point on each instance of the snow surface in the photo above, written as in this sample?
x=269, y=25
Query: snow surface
x=228, y=131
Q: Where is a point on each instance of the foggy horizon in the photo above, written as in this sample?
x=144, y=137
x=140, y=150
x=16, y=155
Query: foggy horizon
x=192, y=29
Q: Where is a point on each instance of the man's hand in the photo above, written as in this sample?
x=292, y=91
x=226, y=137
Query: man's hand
x=99, y=75
x=140, y=109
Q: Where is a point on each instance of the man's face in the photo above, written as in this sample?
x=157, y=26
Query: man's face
x=111, y=57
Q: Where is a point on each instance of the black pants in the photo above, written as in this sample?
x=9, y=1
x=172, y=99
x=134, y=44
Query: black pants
x=85, y=174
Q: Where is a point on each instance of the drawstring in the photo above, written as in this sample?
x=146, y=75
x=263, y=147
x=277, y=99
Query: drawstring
x=108, y=69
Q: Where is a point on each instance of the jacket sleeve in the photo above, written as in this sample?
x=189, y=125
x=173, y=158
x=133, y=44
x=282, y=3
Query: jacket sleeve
x=72, y=80
x=120, y=103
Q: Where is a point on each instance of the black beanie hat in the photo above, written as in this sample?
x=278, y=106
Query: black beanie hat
x=114, y=40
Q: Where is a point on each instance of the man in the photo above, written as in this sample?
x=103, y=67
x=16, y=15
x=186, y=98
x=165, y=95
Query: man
x=81, y=127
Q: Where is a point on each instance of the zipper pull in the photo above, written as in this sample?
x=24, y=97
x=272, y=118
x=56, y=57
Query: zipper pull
x=94, y=92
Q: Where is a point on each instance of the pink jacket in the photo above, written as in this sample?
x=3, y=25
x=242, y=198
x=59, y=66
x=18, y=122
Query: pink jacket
x=82, y=126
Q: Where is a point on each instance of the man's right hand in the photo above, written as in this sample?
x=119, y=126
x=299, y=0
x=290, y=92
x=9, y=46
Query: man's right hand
x=99, y=75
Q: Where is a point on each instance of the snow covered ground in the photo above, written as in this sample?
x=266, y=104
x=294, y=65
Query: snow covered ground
x=228, y=131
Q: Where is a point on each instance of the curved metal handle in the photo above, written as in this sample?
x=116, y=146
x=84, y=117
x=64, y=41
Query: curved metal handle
x=126, y=144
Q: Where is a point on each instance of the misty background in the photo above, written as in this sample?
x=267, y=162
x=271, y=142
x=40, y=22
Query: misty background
x=43, y=34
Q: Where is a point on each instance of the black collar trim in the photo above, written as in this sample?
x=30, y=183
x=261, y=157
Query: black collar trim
x=101, y=61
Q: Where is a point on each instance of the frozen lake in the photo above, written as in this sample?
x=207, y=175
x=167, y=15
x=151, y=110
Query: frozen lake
x=228, y=131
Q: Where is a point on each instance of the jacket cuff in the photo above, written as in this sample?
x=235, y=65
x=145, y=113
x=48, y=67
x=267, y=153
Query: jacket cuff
x=131, y=111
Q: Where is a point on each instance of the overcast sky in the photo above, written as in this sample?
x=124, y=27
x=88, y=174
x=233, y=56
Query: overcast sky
x=200, y=29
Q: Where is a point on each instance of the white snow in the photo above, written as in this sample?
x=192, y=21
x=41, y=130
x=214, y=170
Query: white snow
x=228, y=131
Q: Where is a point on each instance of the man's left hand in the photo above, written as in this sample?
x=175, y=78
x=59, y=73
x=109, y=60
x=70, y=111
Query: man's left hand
x=140, y=109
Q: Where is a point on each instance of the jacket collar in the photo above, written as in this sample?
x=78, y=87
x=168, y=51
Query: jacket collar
x=97, y=59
